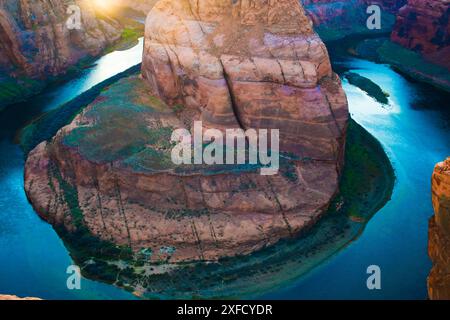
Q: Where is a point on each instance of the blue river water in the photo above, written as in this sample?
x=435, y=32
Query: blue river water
x=415, y=133
x=33, y=260
x=414, y=130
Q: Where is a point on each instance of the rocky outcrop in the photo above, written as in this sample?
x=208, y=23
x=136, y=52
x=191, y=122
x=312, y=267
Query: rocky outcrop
x=424, y=26
x=255, y=74
x=239, y=64
x=439, y=234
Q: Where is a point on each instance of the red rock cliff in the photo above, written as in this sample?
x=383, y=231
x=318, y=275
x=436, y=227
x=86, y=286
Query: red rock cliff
x=250, y=65
x=439, y=234
x=35, y=41
x=424, y=26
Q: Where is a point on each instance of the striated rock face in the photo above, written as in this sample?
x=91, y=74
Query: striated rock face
x=35, y=41
x=424, y=26
x=439, y=234
x=250, y=66
x=229, y=64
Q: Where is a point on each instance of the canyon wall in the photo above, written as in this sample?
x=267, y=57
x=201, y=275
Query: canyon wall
x=231, y=65
x=36, y=42
x=37, y=45
x=253, y=69
x=424, y=26
x=337, y=19
x=439, y=234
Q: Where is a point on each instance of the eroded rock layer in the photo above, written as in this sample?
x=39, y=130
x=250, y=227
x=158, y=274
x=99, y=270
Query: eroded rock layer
x=439, y=234
x=230, y=64
x=424, y=26
x=250, y=65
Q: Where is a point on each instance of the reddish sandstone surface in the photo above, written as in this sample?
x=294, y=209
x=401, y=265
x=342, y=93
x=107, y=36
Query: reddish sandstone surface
x=439, y=234
x=229, y=64
x=424, y=26
x=259, y=66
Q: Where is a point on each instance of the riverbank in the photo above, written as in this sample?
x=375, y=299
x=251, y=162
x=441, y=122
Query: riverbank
x=407, y=62
x=366, y=186
x=15, y=90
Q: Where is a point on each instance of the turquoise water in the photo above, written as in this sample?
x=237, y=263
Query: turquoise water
x=414, y=130
x=33, y=260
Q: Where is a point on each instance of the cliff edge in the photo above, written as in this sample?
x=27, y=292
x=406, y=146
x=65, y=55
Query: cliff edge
x=439, y=234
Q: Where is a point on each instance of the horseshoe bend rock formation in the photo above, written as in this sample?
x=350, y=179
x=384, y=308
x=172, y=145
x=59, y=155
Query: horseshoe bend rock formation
x=439, y=234
x=229, y=64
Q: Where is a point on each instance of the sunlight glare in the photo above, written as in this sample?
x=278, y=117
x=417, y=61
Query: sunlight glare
x=106, y=5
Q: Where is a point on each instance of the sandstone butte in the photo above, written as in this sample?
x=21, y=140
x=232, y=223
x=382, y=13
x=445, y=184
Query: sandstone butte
x=36, y=45
x=230, y=64
x=439, y=234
